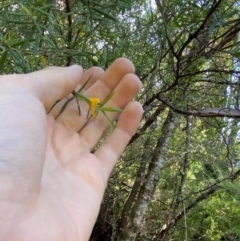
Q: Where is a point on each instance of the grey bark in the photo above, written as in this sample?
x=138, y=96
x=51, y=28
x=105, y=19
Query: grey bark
x=184, y=172
x=136, y=186
x=129, y=229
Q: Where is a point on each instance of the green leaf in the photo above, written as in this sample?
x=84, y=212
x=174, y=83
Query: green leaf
x=81, y=97
x=211, y=28
x=78, y=105
x=80, y=53
x=52, y=35
x=47, y=6
x=235, y=52
x=3, y=58
x=84, y=2
x=43, y=12
x=86, y=82
x=25, y=9
x=53, y=106
x=64, y=106
x=94, y=62
x=17, y=14
x=107, y=99
x=37, y=43
x=19, y=21
x=110, y=109
x=107, y=15
x=38, y=3
x=20, y=43
x=109, y=121
x=88, y=113
x=97, y=18
x=28, y=38
x=232, y=13
x=236, y=55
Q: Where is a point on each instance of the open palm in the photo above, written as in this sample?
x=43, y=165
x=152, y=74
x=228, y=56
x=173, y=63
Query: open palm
x=51, y=184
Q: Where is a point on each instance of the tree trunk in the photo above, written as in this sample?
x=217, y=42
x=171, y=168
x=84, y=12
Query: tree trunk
x=128, y=230
x=137, y=184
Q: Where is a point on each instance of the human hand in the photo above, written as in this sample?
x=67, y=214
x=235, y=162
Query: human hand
x=51, y=185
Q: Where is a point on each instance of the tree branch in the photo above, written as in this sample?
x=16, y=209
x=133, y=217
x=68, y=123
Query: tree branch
x=69, y=36
x=210, y=112
x=194, y=35
x=209, y=71
x=149, y=121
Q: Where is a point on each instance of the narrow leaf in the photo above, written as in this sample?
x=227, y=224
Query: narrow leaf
x=109, y=109
x=38, y=3
x=84, y=85
x=88, y=113
x=107, y=15
x=81, y=97
x=47, y=6
x=21, y=42
x=3, y=58
x=107, y=99
x=79, y=109
x=109, y=121
x=65, y=105
x=19, y=22
x=53, y=106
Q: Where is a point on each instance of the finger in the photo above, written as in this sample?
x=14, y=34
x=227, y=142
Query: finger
x=101, y=89
x=116, y=71
x=124, y=93
x=53, y=83
x=90, y=76
x=114, y=145
x=110, y=79
x=93, y=73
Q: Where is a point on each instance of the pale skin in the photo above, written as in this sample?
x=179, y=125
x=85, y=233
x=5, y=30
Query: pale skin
x=51, y=185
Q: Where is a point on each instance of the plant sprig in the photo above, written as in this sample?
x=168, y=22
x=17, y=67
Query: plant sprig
x=95, y=105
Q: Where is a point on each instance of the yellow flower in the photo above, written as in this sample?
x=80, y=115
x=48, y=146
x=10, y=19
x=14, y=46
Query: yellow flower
x=93, y=104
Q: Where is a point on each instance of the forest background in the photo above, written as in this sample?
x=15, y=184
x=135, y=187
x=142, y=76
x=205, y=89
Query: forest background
x=179, y=177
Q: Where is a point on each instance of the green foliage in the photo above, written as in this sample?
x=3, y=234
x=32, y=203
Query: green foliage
x=186, y=54
x=214, y=219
